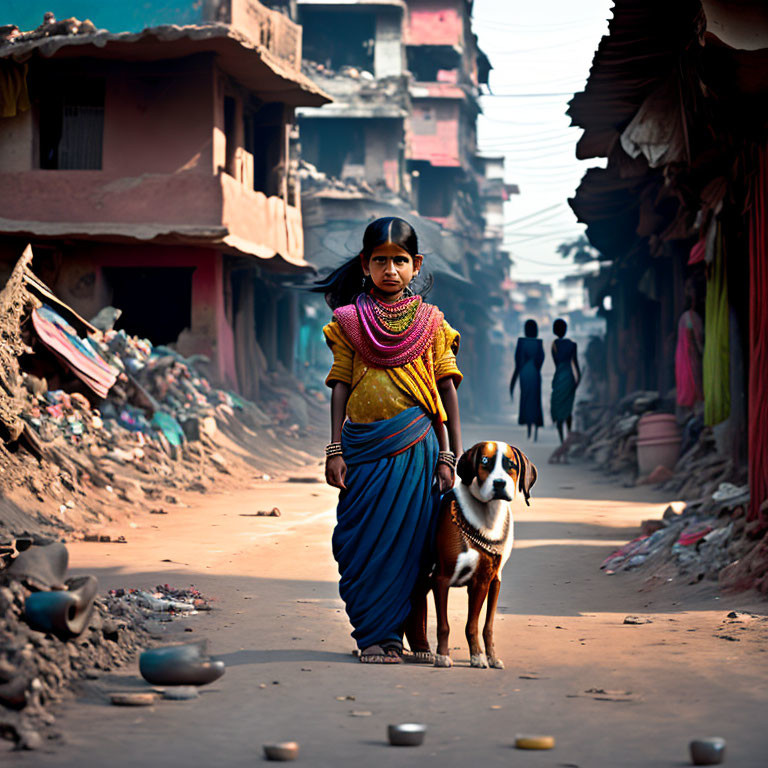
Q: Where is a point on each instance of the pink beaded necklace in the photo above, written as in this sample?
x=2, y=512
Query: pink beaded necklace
x=374, y=328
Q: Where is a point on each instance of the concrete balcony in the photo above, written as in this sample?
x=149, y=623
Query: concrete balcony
x=359, y=97
x=176, y=208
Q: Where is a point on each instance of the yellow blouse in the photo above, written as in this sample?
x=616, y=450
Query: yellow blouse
x=381, y=393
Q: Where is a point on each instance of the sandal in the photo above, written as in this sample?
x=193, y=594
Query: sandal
x=376, y=654
x=418, y=657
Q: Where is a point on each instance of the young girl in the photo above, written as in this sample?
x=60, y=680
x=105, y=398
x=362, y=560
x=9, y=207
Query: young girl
x=393, y=381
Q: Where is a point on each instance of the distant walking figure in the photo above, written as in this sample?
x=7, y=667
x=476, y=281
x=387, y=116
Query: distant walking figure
x=566, y=378
x=529, y=357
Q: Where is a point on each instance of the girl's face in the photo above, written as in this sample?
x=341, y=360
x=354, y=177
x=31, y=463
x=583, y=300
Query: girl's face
x=391, y=268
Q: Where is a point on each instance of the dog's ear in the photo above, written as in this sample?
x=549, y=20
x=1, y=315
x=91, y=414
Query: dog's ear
x=526, y=476
x=466, y=469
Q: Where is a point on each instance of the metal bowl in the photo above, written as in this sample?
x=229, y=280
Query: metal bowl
x=284, y=751
x=407, y=734
x=707, y=751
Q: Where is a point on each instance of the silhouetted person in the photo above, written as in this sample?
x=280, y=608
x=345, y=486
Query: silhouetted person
x=529, y=357
x=566, y=378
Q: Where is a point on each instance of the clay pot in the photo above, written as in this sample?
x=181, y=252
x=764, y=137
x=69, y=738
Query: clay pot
x=180, y=665
x=64, y=613
x=658, y=442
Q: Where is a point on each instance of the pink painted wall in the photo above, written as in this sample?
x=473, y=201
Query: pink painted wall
x=108, y=198
x=158, y=118
x=434, y=22
x=436, y=140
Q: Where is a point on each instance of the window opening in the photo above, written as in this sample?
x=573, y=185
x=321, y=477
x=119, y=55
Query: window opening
x=156, y=301
x=72, y=125
x=339, y=38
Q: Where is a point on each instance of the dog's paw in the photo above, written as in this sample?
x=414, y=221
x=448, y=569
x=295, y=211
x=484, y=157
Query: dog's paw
x=478, y=660
x=443, y=661
x=495, y=663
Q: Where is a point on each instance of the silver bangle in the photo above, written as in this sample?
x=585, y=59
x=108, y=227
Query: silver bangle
x=447, y=457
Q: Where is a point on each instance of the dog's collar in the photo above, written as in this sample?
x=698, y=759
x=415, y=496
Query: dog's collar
x=491, y=546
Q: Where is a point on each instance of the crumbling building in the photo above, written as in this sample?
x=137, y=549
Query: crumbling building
x=151, y=170
x=400, y=139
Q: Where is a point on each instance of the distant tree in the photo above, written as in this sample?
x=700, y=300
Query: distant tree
x=580, y=249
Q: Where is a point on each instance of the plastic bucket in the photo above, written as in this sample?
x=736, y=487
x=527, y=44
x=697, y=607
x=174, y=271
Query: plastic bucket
x=658, y=442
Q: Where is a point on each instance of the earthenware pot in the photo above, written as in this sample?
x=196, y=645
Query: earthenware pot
x=180, y=665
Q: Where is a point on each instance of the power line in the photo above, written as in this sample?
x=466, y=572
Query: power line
x=534, y=214
x=525, y=95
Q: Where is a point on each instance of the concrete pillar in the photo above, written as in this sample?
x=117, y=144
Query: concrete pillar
x=388, y=52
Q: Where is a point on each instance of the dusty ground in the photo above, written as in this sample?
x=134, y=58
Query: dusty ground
x=281, y=629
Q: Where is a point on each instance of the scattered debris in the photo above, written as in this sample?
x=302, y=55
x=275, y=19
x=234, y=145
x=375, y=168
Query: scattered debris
x=282, y=752
x=407, y=734
x=526, y=741
x=36, y=667
x=637, y=620
x=181, y=693
x=133, y=699
x=165, y=599
x=707, y=751
x=274, y=512
x=182, y=665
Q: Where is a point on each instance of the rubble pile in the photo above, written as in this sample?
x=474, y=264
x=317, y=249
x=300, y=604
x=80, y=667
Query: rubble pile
x=711, y=539
x=609, y=439
x=36, y=667
x=701, y=542
x=161, y=426
x=49, y=28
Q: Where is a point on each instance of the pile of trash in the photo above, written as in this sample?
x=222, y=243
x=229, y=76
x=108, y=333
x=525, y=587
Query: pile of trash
x=53, y=631
x=104, y=416
x=712, y=538
x=609, y=439
x=713, y=543
x=165, y=602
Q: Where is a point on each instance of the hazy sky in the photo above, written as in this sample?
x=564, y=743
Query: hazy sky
x=537, y=47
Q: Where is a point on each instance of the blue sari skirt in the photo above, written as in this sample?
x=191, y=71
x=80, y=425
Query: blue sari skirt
x=385, y=521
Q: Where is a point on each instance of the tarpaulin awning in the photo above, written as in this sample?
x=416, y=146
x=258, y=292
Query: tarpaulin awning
x=75, y=353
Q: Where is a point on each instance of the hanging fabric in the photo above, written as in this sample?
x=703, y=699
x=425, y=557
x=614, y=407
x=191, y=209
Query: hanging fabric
x=716, y=373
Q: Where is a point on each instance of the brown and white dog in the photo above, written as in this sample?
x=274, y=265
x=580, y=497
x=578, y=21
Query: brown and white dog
x=474, y=540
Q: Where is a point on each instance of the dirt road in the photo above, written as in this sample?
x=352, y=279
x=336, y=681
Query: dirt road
x=282, y=632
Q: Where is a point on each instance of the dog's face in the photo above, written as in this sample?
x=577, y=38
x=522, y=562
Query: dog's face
x=495, y=470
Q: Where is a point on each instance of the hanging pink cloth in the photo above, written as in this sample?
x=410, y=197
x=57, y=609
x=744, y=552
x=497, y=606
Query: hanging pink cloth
x=690, y=342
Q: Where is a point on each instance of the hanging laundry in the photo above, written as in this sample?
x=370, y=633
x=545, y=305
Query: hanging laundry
x=717, y=383
x=14, y=97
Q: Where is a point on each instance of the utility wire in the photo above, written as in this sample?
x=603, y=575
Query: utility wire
x=526, y=95
x=534, y=214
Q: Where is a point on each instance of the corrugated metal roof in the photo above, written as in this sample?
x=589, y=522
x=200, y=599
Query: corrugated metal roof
x=645, y=40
